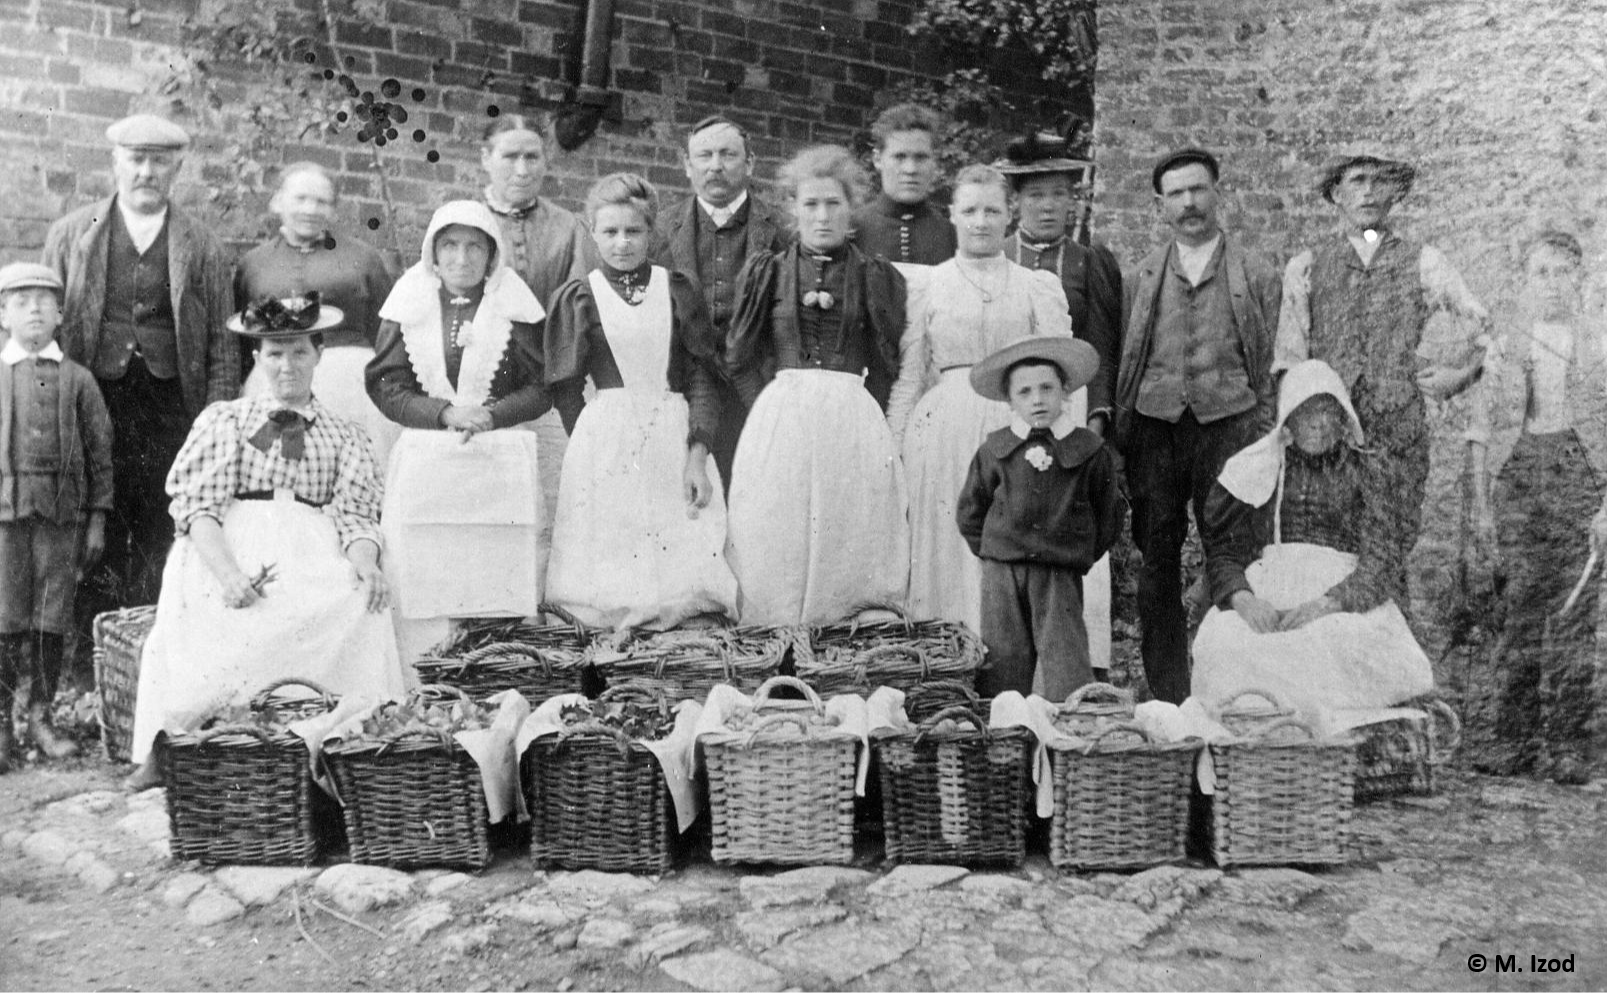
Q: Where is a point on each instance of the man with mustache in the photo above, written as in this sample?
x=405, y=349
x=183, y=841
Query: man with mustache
x=901, y=225
x=148, y=292
x=1359, y=300
x=1194, y=386
x=709, y=237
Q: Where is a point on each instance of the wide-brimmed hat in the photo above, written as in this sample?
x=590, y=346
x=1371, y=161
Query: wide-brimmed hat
x=275, y=319
x=1077, y=360
x=1394, y=167
x=1039, y=153
x=29, y=275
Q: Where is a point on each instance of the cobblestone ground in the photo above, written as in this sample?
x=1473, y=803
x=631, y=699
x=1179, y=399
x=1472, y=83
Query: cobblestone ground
x=89, y=899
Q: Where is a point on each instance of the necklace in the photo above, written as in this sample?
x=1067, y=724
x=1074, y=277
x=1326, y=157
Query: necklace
x=985, y=292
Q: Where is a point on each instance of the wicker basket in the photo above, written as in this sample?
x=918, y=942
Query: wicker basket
x=685, y=665
x=597, y=799
x=851, y=657
x=1092, y=708
x=925, y=699
x=957, y=797
x=243, y=794
x=415, y=798
x=1282, y=798
x=1398, y=757
x=1121, y=799
x=781, y=798
x=487, y=657
x=119, y=639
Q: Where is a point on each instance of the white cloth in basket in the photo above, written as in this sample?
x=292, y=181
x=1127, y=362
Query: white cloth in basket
x=849, y=708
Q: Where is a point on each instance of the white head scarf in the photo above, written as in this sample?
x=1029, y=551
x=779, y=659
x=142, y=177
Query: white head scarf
x=415, y=304
x=1252, y=475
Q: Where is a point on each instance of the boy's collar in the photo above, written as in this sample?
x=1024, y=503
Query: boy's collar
x=14, y=352
x=1062, y=425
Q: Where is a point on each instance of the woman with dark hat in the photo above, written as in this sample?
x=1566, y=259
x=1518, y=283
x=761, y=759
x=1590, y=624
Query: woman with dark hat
x=276, y=568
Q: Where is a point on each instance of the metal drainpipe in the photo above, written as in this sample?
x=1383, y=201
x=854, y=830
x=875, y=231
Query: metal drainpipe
x=579, y=122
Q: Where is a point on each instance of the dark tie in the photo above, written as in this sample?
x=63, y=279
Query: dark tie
x=288, y=428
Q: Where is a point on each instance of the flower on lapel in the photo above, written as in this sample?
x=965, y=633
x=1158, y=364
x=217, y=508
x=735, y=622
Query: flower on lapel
x=463, y=335
x=1039, y=458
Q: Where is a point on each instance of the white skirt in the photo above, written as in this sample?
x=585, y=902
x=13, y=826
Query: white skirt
x=1341, y=661
x=942, y=436
x=462, y=523
x=818, y=514
x=312, y=623
x=627, y=551
x=338, y=385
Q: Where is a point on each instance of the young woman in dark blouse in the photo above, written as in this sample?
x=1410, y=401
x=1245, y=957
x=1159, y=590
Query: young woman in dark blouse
x=819, y=507
x=639, y=535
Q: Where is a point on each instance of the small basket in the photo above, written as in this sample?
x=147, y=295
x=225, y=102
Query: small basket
x=414, y=798
x=243, y=794
x=1092, y=708
x=487, y=657
x=119, y=638
x=597, y=799
x=956, y=797
x=1121, y=799
x=786, y=799
x=1282, y=800
x=1398, y=757
x=850, y=657
x=686, y=665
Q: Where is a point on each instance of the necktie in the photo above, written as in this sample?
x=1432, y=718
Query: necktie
x=288, y=428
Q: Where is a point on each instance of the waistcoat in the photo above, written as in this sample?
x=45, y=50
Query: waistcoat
x=138, y=313
x=1367, y=320
x=1196, y=362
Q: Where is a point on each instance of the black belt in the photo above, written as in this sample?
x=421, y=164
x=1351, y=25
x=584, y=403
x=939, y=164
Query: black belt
x=268, y=495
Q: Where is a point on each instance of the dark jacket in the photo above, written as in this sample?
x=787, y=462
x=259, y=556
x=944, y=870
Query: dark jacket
x=675, y=246
x=84, y=481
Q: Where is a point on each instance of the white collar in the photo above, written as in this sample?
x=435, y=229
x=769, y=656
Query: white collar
x=308, y=410
x=1193, y=259
x=142, y=228
x=1062, y=426
x=14, y=352
x=721, y=215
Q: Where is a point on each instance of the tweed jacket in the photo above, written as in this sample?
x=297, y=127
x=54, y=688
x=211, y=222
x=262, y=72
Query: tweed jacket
x=84, y=482
x=1255, y=290
x=676, y=245
x=202, y=293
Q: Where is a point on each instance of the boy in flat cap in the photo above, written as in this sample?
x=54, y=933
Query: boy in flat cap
x=1040, y=506
x=148, y=290
x=55, y=490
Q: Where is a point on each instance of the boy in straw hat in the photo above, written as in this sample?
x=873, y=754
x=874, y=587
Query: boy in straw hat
x=55, y=490
x=1040, y=506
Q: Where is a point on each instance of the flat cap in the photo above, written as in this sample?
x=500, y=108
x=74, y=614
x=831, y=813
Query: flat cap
x=1390, y=164
x=1183, y=157
x=28, y=275
x=147, y=131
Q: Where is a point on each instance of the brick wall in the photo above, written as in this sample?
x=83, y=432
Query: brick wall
x=794, y=71
x=1499, y=104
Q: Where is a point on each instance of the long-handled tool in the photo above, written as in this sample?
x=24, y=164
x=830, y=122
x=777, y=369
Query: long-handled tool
x=1579, y=587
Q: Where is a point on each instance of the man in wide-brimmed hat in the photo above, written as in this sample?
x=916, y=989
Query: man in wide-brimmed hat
x=1195, y=386
x=1359, y=299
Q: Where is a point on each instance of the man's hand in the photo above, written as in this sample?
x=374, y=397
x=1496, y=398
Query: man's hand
x=1261, y=616
x=1309, y=611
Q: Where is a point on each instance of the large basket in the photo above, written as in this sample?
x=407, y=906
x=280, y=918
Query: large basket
x=412, y=799
x=487, y=657
x=1121, y=799
x=119, y=639
x=597, y=799
x=686, y=665
x=779, y=797
x=954, y=796
x=243, y=794
x=851, y=657
x=1093, y=708
x=1282, y=799
x=1398, y=757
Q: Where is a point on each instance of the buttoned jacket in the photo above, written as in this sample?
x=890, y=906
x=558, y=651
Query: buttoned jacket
x=676, y=246
x=84, y=481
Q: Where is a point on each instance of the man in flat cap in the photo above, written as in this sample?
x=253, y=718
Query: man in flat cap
x=1194, y=386
x=709, y=236
x=148, y=292
x=1359, y=300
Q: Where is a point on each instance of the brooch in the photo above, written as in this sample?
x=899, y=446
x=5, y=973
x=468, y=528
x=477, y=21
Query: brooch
x=1039, y=458
x=819, y=298
x=462, y=334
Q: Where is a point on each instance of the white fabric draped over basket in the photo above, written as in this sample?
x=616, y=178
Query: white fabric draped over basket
x=312, y=623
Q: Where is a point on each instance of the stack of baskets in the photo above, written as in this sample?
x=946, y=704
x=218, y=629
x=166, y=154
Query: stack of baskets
x=1283, y=795
x=782, y=789
x=598, y=798
x=1120, y=798
x=487, y=657
x=243, y=792
x=119, y=639
x=851, y=657
x=1398, y=757
x=413, y=798
x=954, y=791
x=685, y=665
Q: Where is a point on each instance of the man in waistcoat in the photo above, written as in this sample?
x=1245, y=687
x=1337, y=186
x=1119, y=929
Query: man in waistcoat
x=1194, y=386
x=148, y=291
x=709, y=237
x=1359, y=300
x=901, y=224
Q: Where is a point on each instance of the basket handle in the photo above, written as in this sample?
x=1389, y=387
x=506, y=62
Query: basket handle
x=1097, y=692
x=761, y=696
x=892, y=608
x=1453, y=723
x=218, y=730
x=504, y=649
x=863, y=660
x=953, y=686
x=432, y=734
x=1287, y=722
x=709, y=645
x=260, y=700
x=439, y=692
x=598, y=728
x=955, y=712
x=637, y=690
x=563, y=615
x=771, y=721
x=1263, y=694
x=1126, y=727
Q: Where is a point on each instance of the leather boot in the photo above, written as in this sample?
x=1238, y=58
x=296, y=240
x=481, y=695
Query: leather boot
x=47, y=677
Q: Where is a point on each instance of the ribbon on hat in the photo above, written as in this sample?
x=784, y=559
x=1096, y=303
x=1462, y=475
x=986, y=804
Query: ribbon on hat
x=270, y=314
x=286, y=427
